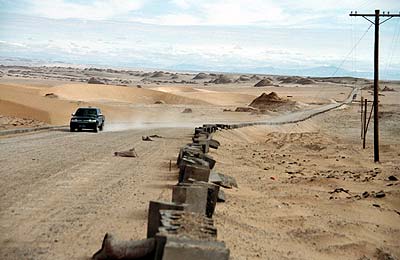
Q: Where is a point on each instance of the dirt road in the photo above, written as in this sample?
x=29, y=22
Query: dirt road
x=60, y=192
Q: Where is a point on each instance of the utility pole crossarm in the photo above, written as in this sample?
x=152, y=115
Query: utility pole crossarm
x=373, y=15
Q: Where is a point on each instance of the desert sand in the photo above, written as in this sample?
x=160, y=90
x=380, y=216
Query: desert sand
x=306, y=190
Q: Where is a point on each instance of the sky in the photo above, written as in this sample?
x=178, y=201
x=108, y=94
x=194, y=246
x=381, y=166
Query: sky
x=256, y=36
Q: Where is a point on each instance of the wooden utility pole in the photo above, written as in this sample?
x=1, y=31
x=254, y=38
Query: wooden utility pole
x=365, y=124
x=362, y=118
x=377, y=15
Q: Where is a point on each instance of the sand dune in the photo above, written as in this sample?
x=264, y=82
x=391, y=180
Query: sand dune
x=210, y=96
x=31, y=102
x=8, y=108
x=25, y=102
x=223, y=98
x=176, y=89
x=101, y=93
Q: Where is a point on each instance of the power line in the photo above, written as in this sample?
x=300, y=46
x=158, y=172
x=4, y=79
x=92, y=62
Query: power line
x=392, y=50
x=351, y=51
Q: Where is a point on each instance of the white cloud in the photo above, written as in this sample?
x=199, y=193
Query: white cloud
x=184, y=4
x=96, y=10
x=242, y=12
x=178, y=19
x=13, y=44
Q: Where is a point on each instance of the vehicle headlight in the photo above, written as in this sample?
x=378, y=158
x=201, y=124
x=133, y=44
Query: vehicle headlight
x=74, y=120
x=92, y=120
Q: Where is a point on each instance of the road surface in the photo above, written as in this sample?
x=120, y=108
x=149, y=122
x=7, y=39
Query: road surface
x=60, y=192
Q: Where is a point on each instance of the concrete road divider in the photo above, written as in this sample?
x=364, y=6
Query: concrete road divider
x=194, y=172
x=194, y=196
x=184, y=249
x=154, y=217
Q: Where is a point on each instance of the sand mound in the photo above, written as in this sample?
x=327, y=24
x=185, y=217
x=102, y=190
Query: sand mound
x=386, y=88
x=243, y=78
x=93, y=80
x=264, y=83
x=158, y=74
x=201, y=75
x=245, y=109
x=296, y=80
x=271, y=101
x=222, y=79
x=255, y=77
x=266, y=99
x=110, y=93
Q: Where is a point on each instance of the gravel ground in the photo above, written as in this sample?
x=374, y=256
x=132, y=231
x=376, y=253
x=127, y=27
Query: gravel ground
x=61, y=192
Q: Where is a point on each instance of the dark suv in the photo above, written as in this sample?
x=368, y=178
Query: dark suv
x=87, y=118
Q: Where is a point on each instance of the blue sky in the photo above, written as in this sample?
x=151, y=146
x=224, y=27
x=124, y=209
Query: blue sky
x=231, y=35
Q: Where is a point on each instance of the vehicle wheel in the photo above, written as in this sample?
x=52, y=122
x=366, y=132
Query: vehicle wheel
x=101, y=127
x=72, y=130
x=79, y=129
x=95, y=129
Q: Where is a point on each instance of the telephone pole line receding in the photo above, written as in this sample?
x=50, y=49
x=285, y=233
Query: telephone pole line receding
x=377, y=15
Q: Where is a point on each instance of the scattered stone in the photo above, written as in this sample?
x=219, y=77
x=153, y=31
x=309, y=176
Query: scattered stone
x=187, y=111
x=214, y=143
x=156, y=136
x=376, y=205
x=338, y=190
x=51, y=95
x=146, y=138
x=117, y=249
x=380, y=194
x=365, y=194
x=129, y=153
x=159, y=102
x=221, y=196
x=392, y=178
x=223, y=180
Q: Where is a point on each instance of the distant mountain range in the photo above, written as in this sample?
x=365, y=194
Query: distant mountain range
x=321, y=71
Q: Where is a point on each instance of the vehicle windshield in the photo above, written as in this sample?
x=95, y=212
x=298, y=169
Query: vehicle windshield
x=86, y=112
